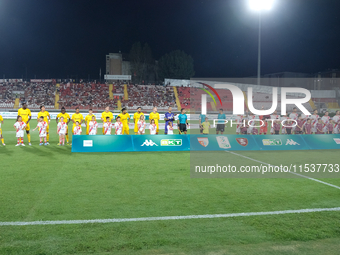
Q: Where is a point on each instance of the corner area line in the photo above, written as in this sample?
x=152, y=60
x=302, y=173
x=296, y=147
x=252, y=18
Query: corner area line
x=206, y=216
x=304, y=176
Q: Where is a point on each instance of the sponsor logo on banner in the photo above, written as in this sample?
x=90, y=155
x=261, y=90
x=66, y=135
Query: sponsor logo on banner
x=291, y=142
x=87, y=143
x=242, y=141
x=272, y=142
x=337, y=140
x=223, y=142
x=204, y=141
x=171, y=142
x=149, y=143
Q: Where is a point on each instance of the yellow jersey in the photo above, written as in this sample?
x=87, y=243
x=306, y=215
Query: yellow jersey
x=65, y=115
x=206, y=126
x=107, y=114
x=154, y=116
x=25, y=114
x=88, y=118
x=124, y=118
x=44, y=114
x=1, y=119
x=136, y=117
x=77, y=117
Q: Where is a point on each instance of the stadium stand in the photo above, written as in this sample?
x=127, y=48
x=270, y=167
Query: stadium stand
x=118, y=95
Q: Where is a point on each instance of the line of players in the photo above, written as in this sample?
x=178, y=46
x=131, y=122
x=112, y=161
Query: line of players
x=293, y=124
x=120, y=127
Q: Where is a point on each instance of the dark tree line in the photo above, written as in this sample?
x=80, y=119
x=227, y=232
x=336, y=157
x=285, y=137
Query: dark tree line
x=173, y=65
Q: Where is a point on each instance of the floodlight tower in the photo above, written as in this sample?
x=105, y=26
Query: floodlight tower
x=260, y=6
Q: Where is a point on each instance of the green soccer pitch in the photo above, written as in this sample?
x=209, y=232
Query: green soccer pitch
x=49, y=183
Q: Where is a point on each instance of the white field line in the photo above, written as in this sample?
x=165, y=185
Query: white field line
x=304, y=176
x=206, y=216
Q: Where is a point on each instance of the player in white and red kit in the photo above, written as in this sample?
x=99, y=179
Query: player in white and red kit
x=107, y=126
x=336, y=119
x=294, y=116
x=93, y=126
x=284, y=119
x=20, y=126
x=251, y=121
x=77, y=129
x=170, y=129
x=118, y=126
x=314, y=119
x=238, y=120
x=42, y=125
x=62, y=130
x=325, y=120
x=153, y=127
x=141, y=125
x=273, y=118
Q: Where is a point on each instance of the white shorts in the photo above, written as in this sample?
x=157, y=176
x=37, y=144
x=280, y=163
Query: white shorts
x=92, y=133
x=140, y=131
x=272, y=131
x=335, y=130
x=313, y=129
x=325, y=129
x=20, y=133
x=42, y=134
x=62, y=133
x=283, y=131
x=238, y=130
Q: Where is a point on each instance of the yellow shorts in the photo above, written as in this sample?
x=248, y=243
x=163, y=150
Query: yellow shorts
x=136, y=129
x=125, y=130
x=87, y=129
x=0, y=132
x=157, y=128
x=47, y=128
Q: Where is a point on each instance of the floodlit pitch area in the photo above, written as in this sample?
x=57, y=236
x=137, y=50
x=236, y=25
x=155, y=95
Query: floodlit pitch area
x=262, y=216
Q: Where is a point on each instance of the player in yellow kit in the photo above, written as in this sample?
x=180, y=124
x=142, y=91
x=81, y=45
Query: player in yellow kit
x=47, y=119
x=155, y=116
x=67, y=120
x=26, y=116
x=88, y=118
x=136, y=118
x=77, y=117
x=106, y=114
x=125, y=119
x=1, y=137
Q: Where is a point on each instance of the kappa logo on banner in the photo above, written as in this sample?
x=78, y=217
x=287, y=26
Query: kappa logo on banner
x=87, y=143
x=272, y=142
x=149, y=143
x=337, y=140
x=171, y=142
x=223, y=142
x=291, y=142
x=204, y=141
x=242, y=141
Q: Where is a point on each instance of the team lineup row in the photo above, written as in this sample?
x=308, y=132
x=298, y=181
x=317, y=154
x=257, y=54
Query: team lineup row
x=120, y=127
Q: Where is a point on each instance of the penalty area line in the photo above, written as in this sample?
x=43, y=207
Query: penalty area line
x=206, y=216
x=304, y=176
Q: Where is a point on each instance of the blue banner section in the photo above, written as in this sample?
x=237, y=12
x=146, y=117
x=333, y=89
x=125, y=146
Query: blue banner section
x=161, y=142
x=101, y=143
x=280, y=142
x=129, y=143
x=321, y=142
x=222, y=142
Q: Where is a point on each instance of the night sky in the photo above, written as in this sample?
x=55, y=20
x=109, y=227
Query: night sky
x=59, y=38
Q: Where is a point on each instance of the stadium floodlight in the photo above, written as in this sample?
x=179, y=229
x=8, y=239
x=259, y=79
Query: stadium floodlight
x=259, y=5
